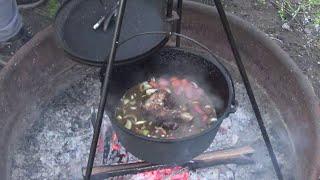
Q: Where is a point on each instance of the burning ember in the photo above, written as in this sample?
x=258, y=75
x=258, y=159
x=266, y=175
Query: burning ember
x=175, y=173
x=57, y=144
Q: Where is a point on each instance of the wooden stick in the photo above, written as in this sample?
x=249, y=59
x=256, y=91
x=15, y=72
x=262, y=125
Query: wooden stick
x=225, y=154
x=230, y=156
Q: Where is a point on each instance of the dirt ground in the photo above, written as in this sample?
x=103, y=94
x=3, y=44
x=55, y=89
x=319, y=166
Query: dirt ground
x=302, y=46
x=301, y=43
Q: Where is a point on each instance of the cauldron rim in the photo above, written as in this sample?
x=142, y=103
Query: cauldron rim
x=230, y=108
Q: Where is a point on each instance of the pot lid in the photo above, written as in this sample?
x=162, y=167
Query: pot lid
x=74, y=26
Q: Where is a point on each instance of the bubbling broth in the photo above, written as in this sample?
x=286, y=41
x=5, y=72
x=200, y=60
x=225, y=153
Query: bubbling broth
x=168, y=108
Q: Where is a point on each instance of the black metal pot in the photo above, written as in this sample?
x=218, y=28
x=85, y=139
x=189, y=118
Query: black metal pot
x=211, y=75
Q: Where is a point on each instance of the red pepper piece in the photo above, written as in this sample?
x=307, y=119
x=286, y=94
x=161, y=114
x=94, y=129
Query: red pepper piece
x=198, y=109
x=176, y=83
x=205, y=118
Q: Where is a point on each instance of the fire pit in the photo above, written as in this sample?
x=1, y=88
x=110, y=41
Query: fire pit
x=40, y=73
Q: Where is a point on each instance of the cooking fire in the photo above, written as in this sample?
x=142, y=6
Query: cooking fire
x=57, y=144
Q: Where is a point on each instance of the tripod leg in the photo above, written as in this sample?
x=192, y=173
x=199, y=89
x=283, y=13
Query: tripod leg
x=105, y=87
x=178, y=30
x=246, y=82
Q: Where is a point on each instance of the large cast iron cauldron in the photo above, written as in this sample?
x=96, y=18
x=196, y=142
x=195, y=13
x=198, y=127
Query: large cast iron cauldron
x=207, y=72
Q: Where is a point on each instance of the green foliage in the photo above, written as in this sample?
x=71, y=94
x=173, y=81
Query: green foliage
x=288, y=10
x=53, y=6
x=317, y=19
x=314, y=2
x=282, y=13
x=262, y=2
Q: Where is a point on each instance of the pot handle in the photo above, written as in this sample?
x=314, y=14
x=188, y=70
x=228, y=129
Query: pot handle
x=168, y=35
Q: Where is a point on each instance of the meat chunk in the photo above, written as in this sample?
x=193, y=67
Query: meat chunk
x=155, y=101
x=157, y=105
x=161, y=108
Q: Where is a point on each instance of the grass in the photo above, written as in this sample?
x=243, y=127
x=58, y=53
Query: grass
x=289, y=10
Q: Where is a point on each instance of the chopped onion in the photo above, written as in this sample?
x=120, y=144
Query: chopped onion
x=195, y=102
x=132, y=102
x=168, y=90
x=140, y=122
x=194, y=84
x=186, y=117
x=144, y=86
x=126, y=101
x=151, y=91
x=119, y=117
x=133, y=108
x=213, y=119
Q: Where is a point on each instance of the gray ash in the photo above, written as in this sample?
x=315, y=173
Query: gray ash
x=57, y=145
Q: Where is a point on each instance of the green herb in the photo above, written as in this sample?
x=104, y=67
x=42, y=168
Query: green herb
x=128, y=124
x=145, y=132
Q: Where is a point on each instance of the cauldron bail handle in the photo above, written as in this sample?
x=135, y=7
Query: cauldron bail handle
x=170, y=34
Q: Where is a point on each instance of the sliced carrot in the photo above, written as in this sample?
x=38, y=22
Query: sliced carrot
x=176, y=83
